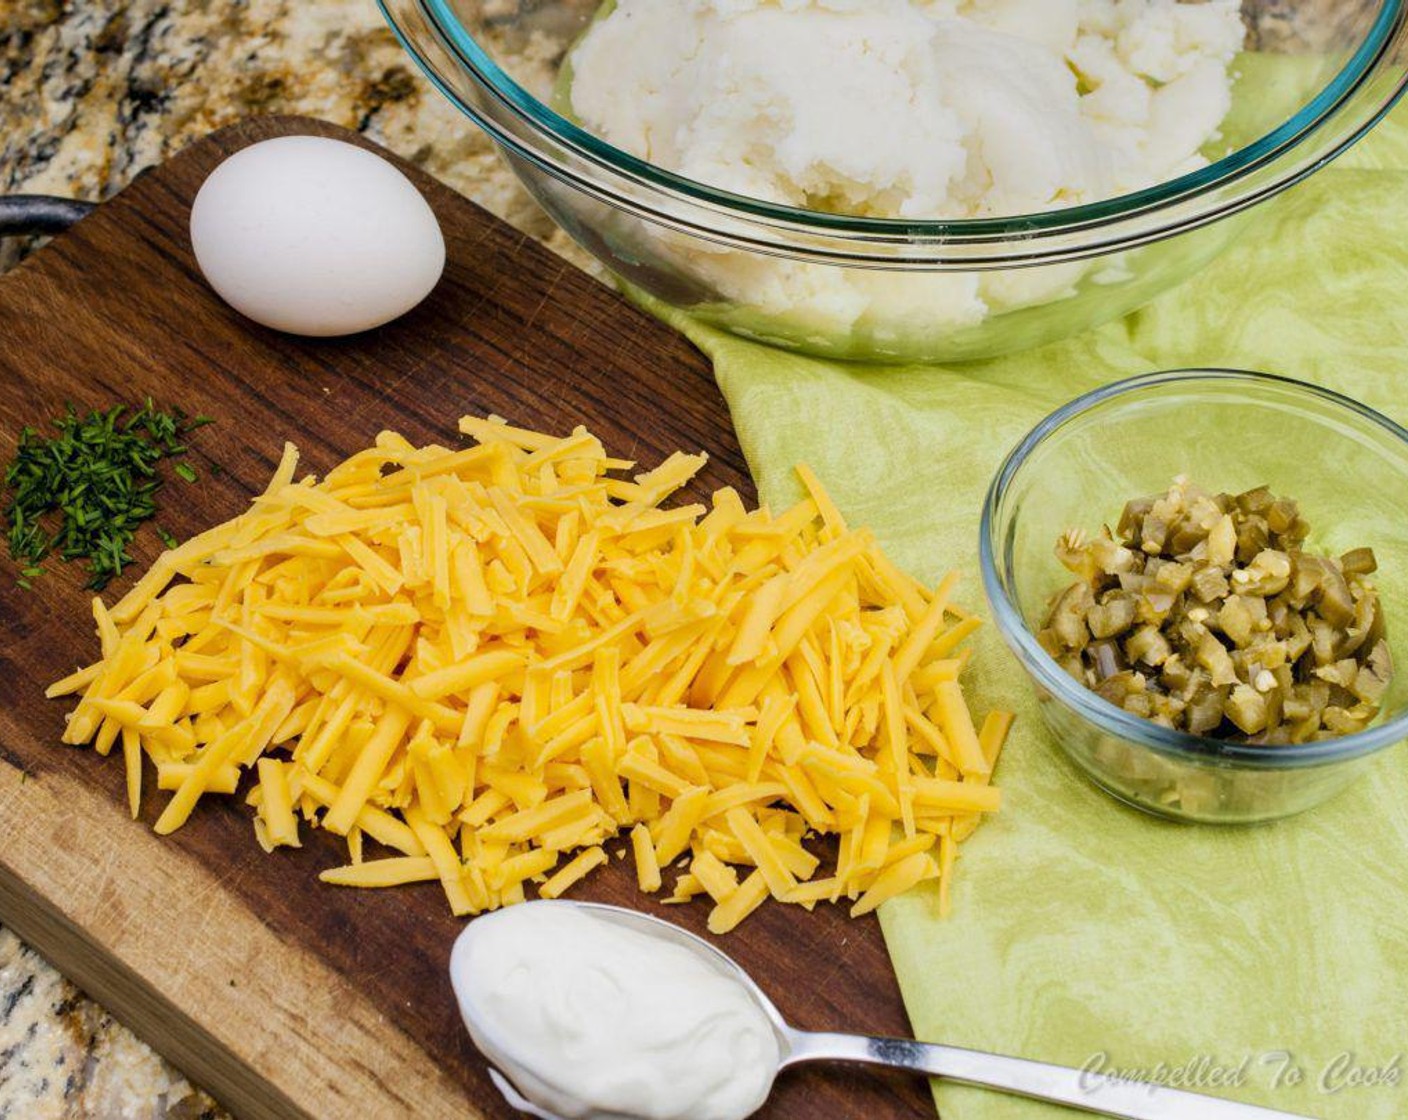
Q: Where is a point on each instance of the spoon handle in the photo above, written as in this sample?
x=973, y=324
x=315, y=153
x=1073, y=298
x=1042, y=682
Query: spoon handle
x=1130, y=1100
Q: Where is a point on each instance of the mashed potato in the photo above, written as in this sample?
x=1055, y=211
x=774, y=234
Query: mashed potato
x=907, y=109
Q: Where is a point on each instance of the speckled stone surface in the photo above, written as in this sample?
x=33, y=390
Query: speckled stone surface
x=62, y=1057
x=94, y=91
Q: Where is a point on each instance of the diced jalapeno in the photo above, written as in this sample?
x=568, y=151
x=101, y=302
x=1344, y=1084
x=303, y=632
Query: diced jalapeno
x=1202, y=612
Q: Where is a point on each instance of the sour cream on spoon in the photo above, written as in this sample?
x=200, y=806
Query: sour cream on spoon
x=600, y=1013
x=589, y=1017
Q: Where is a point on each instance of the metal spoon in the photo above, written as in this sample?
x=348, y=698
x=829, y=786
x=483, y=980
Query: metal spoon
x=1038, y=1080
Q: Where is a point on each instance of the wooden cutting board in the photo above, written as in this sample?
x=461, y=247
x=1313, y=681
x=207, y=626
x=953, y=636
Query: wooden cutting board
x=284, y=997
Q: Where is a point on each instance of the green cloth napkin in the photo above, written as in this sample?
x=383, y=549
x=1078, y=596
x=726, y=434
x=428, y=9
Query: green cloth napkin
x=1081, y=927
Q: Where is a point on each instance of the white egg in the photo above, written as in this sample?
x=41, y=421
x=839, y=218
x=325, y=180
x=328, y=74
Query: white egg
x=315, y=236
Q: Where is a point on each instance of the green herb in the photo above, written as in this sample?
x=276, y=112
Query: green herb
x=83, y=492
x=186, y=471
x=166, y=538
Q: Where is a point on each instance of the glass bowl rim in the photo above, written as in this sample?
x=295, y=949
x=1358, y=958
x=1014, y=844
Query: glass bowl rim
x=1043, y=668
x=1391, y=19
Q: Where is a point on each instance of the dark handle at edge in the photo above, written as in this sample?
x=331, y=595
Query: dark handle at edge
x=27, y=215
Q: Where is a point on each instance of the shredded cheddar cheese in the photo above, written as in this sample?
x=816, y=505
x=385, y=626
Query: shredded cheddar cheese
x=489, y=662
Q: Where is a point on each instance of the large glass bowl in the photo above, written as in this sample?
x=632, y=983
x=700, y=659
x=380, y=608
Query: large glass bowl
x=1230, y=431
x=1317, y=76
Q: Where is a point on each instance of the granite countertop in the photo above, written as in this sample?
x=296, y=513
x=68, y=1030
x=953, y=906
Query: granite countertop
x=98, y=90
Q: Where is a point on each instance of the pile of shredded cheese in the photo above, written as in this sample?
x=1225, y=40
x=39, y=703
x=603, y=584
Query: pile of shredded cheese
x=488, y=659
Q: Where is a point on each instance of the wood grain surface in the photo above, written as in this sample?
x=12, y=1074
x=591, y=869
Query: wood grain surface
x=283, y=996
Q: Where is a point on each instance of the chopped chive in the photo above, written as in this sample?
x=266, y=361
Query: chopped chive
x=83, y=492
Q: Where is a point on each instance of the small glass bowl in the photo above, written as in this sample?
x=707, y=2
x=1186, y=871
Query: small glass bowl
x=1227, y=430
